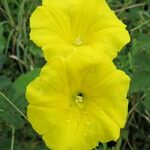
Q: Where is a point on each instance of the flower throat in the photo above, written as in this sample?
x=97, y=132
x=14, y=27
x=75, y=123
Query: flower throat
x=79, y=98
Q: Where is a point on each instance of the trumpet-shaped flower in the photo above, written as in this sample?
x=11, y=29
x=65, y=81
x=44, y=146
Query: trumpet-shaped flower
x=78, y=101
x=61, y=26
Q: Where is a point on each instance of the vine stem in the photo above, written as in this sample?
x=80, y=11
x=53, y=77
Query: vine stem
x=10, y=102
x=129, y=7
x=13, y=138
x=139, y=26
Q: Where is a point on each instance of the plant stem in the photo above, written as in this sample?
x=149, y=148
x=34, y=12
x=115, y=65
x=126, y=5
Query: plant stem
x=105, y=146
x=129, y=7
x=9, y=101
x=13, y=138
x=139, y=26
x=5, y=3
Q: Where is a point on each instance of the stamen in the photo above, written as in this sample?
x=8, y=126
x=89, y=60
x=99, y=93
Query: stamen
x=79, y=99
x=78, y=41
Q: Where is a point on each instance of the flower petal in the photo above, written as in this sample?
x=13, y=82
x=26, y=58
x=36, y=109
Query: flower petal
x=83, y=131
x=43, y=118
x=72, y=135
x=112, y=40
x=46, y=27
x=56, y=48
x=101, y=82
x=85, y=56
x=109, y=94
x=58, y=117
x=58, y=24
x=48, y=96
x=104, y=127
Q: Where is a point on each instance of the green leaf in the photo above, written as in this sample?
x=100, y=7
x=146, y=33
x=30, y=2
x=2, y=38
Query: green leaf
x=141, y=53
x=36, y=51
x=21, y=83
x=146, y=101
x=2, y=60
x=9, y=114
x=1, y=29
x=2, y=43
x=140, y=62
x=4, y=82
x=15, y=92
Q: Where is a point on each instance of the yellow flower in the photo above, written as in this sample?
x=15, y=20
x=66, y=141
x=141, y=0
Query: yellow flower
x=61, y=26
x=78, y=101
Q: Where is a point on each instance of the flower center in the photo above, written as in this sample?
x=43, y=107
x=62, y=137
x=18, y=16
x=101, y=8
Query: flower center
x=78, y=41
x=79, y=98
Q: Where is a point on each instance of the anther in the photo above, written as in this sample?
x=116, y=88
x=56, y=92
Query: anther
x=78, y=41
x=79, y=99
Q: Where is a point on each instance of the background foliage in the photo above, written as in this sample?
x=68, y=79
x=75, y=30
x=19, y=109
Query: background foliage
x=21, y=60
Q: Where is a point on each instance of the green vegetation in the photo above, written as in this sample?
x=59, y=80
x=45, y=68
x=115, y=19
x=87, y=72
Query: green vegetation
x=21, y=60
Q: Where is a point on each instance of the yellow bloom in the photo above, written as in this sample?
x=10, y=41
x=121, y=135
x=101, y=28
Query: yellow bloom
x=61, y=26
x=78, y=101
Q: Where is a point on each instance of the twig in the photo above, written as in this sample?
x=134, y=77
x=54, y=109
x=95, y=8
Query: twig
x=132, y=109
x=129, y=145
x=9, y=101
x=139, y=26
x=104, y=146
x=1, y=110
x=13, y=138
x=118, y=144
x=7, y=9
x=19, y=60
x=146, y=111
x=129, y=7
x=145, y=117
x=3, y=12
